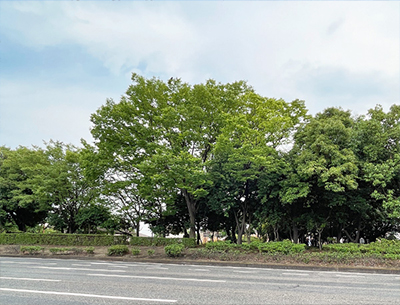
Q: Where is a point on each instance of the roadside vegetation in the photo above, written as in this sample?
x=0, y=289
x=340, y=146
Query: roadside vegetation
x=379, y=254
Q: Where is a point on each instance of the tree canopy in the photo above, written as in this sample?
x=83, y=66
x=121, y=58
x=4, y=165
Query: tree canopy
x=211, y=156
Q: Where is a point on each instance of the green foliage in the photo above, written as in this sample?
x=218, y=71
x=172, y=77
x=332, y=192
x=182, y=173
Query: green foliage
x=382, y=247
x=135, y=251
x=161, y=241
x=151, y=252
x=221, y=246
x=89, y=250
x=174, y=250
x=21, y=171
x=60, y=239
x=31, y=249
x=285, y=247
x=118, y=250
x=65, y=250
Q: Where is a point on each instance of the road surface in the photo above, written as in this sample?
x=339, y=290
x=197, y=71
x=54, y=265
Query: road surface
x=40, y=281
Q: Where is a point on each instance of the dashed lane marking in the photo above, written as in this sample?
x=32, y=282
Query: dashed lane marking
x=159, y=278
x=88, y=295
x=27, y=279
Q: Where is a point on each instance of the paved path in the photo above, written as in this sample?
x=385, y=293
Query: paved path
x=56, y=281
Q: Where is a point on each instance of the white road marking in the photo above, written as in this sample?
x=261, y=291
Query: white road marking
x=157, y=268
x=159, y=278
x=29, y=263
x=199, y=270
x=344, y=275
x=81, y=269
x=27, y=279
x=292, y=273
x=243, y=271
x=112, y=264
x=81, y=265
x=88, y=295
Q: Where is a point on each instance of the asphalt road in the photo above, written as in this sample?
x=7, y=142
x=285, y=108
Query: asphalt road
x=33, y=281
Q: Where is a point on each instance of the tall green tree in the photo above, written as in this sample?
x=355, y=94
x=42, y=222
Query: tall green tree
x=164, y=132
x=246, y=163
x=20, y=170
x=325, y=167
x=65, y=186
x=378, y=147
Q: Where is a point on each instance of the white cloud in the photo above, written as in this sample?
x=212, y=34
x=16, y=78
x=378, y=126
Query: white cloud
x=233, y=37
x=282, y=48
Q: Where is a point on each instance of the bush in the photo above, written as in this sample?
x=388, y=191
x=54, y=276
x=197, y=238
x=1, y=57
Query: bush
x=61, y=239
x=89, y=240
x=284, y=247
x=135, y=251
x=174, y=250
x=151, y=252
x=221, y=246
x=380, y=247
x=162, y=241
x=89, y=250
x=118, y=250
x=31, y=249
x=65, y=250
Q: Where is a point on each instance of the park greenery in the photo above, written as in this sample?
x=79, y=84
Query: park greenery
x=211, y=157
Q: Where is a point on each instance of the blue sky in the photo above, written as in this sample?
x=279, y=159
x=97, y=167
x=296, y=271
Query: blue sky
x=61, y=60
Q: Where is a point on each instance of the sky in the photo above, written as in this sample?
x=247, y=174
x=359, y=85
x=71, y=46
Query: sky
x=61, y=60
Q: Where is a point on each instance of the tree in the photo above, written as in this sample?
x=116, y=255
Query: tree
x=324, y=168
x=65, y=186
x=92, y=216
x=19, y=200
x=246, y=163
x=164, y=133
x=378, y=147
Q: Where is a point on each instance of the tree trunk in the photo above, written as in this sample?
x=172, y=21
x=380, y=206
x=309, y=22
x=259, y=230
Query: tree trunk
x=295, y=234
x=319, y=231
x=198, y=233
x=240, y=223
x=191, y=205
x=137, y=228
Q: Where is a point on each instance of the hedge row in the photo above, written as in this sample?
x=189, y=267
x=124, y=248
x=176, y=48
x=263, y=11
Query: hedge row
x=162, y=241
x=88, y=240
x=383, y=246
x=285, y=247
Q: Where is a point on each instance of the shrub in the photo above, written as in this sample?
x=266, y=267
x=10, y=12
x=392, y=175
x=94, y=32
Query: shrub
x=118, y=250
x=151, y=252
x=31, y=249
x=135, y=251
x=221, y=246
x=65, y=250
x=284, y=247
x=89, y=240
x=89, y=250
x=61, y=239
x=162, y=241
x=174, y=250
x=57, y=250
